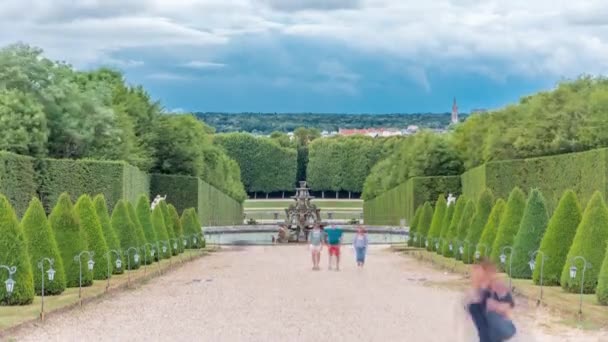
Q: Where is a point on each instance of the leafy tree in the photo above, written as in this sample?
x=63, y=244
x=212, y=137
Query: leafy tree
x=89, y=223
x=435, y=229
x=24, y=125
x=158, y=221
x=531, y=230
x=144, y=217
x=424, y=225
x=509, y=224
x=478, y=222
x=109, y=233
x=127, y=232
x=14, y=253
x=491, y=228
x=71, y=241
x=463, y=228
x=452, y=232
x=41, y=244
x=590, y=243
x=558, y=239
x=141, y=235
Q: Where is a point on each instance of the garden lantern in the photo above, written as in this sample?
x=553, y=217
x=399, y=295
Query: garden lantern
x=532, y=264
x=195, y=240
x=451, y=247
x=118, y=263
x=185, y=242
x=51, y=274
x=426, y=243
x=477, y=255
x=91, y=264
x=164, y=249
x=175, y=245
x=136, y=258
x=573, y=272
x=152, y=252
x=503, y=258
x=436, y=245
x=461, y=250
x=10, y=285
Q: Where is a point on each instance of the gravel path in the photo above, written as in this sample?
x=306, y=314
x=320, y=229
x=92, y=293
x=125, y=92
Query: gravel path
x=270, y=294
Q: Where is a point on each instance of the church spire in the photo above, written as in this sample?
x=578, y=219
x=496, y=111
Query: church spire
x=454, y=112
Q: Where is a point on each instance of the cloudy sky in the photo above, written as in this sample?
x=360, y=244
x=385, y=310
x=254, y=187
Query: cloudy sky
x=379, y=56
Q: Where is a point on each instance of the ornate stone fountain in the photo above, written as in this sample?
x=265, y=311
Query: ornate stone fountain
x=302, y=215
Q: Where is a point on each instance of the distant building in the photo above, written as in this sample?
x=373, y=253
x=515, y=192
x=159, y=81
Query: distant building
x=372, y=132
x=454, y=112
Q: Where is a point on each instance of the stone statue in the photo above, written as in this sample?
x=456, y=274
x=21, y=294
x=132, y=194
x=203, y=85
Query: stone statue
x=301, y=215
x=157, y=200
x=451, y=199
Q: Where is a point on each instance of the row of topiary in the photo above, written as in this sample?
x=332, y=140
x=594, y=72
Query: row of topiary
x=87, y=226
x=517, y=228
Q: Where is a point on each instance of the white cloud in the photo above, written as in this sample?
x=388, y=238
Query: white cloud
x=168, y=76
x=203, y=65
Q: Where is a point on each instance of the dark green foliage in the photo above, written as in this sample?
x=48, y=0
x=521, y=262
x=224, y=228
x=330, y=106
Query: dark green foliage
x=445, y=226
x=478, y=222
x=177, y=227
x=463, y=228
x=89, y=223
x=18, y=180
x=71, y=241
x=41, y=244
x=414, y=225
x=590, y=243
x=108, y=232
x=509, y=224
x=424, y=225
x=168, y=226
x=491, y=228
x=452, y=233
x=158, y=221
x=192, y=226
x=531, y=230
x=144, y=216
x=13, y=252
x=127, y=232
x=558, y=239
x=141, y=236
x=435, y=229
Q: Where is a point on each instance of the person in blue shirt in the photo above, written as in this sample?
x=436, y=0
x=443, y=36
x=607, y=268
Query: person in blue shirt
x=333, y=237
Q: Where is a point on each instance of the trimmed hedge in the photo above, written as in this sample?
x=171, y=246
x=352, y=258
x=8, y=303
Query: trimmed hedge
x=474, y=182
x=89, y=223
x=531, y=230
x=463, y=227
x=71, y=241
x=478, y=222
x=127, y=233
x=452, y=233
x=144, y=216
x=108, y=232
x=558, y=239
x=489, y=231
x=589, y=242
x=424, y=225
x=438, y=214
x=18, y=180
x=177, y=227
x=158, y=221
x=445, y=226
x=401, y=201
x=414, y=225
x=141, y=236
x=509, y=225
x=13, y=252
x=41, y=244
x=168, y=226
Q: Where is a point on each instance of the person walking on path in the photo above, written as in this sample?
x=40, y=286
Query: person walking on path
x=334, y=239
x=316, y=244
x=360, y=244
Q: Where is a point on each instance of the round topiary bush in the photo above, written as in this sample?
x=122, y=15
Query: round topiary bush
x=108, y=233
x=436, y=221
x=143, y=213
x=531, y=230
x=463, y=227
x=489, y=231
x=414, y=225
x=558, y=239
x=141, y=236
x=482, y=212
x=13, y=252
x=177, y=227
x=158, y=221
x=71, y=241
x=41, y=244
x=89, y=223
x=509, y=225
x=168, y=224
x=445, y=226
x=424, y=225
x=452, y=232
x=590, y=243
x=127, y=233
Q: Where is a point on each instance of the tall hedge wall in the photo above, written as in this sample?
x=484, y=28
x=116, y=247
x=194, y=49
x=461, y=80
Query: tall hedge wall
x=583, y=172
x=402, y=201
x=18, y=180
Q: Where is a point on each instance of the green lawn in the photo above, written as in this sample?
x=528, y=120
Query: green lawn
x=320, y=203
x=263, y=215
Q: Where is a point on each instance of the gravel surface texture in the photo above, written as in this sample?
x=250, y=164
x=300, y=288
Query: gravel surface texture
x=271, y=294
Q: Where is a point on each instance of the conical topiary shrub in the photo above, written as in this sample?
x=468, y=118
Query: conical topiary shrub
x=147, y=258
x=414, y=225
x=192, y=225
x=158, y=221
x=109, y=233
x=89, y=223
x=509, y=225
x=531, y=230
x=558, y=239
x=145, y=219
x=482, y=212
x=41, y=244
x=13, y=252
x=71, y=241
x=177, y=227
x=445, y=226
x=590, y=243
x=489, y=231
x=168, y=225
x=452, y=232
x=424, y=225
x=463, y=228
x=437, y=220
x=127, y=234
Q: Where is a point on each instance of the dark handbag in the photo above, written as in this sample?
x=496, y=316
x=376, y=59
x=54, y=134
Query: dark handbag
x=500, y=327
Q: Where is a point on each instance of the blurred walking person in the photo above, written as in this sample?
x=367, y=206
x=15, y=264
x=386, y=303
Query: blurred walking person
x=316, y=245
x=360, y=243
x=334, y=239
